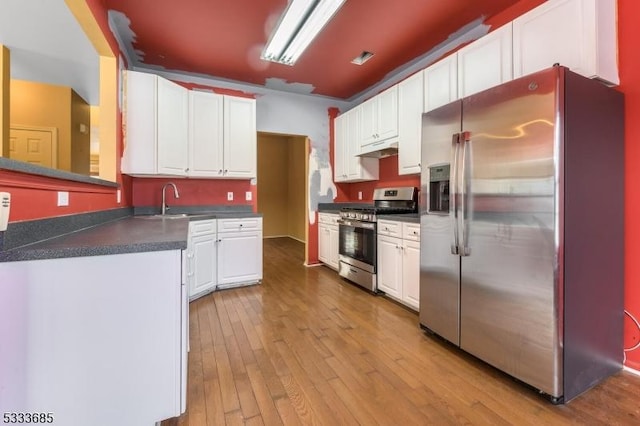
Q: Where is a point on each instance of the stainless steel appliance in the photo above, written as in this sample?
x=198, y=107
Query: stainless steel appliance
x=357, y=232
x=524, y=268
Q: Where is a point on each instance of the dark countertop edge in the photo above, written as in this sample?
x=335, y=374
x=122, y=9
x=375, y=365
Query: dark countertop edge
x=409, y=218
x=21, y=167
x=24, y=254
x=197, y=210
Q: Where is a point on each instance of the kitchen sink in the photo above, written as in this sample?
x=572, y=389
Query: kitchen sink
x=162, y=216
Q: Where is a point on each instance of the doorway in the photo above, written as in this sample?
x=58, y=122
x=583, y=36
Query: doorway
x=282, y=188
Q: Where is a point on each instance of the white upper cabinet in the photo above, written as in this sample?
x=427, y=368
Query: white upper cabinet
x=441, y=83
x=410, y=106
x=156, y=126
x=348, y=166
x=379, y=117
x=240, y=137
x=172, y=131
x=206, y=112
x=578, y=34
x=486, y=62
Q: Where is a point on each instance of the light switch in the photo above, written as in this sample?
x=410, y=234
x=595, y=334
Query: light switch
x=118, y=196
x=63, y=198
x=229, y=196
x=248, y=196
x=359, y=195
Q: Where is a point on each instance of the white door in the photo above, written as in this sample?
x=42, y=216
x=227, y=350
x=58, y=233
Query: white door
x=410, y=105
x=334, y=247
x=387, y=114
x=240, y=137
x=173, y=128
x=411, y=273
x=205, y=134
x=485, y=63
x=441, y=83
x=34, y=145
x=203, y=276
x=239, y=257
x=389, y=265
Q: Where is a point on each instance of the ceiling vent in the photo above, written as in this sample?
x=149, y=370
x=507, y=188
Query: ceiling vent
x=362, y=58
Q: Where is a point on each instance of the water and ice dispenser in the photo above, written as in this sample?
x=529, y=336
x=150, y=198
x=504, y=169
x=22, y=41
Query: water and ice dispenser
x=439, y=189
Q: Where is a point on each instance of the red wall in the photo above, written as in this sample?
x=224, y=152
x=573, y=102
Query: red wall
x=193, y=192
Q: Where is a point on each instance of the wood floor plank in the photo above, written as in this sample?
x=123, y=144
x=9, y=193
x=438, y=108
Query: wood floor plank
x=306, y=347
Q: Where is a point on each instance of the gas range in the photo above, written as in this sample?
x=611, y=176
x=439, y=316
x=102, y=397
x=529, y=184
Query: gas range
x=358, y=235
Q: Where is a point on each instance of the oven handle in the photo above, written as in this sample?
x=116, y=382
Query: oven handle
x=357, y=224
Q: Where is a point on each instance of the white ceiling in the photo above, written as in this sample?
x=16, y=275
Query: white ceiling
x=48, y=45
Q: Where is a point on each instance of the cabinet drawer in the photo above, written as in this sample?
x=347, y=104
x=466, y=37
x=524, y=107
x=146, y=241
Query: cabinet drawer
x=411, y=231
x=328, y=218
x=201, y=227
x=244, y=224
x=390, y=228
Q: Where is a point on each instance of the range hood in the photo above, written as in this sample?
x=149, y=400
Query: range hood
x=380, y=149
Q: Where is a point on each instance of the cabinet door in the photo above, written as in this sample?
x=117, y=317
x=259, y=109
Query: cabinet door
x=334, y=247
x=202, y=277
x=410, y=104
x=486, y=62
x=387, y=115
x=324, y=243
x=139, y=155
x=339, y=152
x=173, y=128
x=240, y=137
x=368, y=121
x=579, y=34
x=205, y=134
x=239, y=257
x=441, y=83
x=411, y=273
x=390, y=266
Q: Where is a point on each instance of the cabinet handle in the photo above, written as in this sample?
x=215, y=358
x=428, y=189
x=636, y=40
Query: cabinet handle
x=415, y=232
x=220, y=171
x=186, y=170
x=225, y=171
x=190, y=274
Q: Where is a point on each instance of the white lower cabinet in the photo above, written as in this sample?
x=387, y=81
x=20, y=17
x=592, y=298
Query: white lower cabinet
x=202, y=253
x=399, y=261
x=239, y=251
x=223, y=253
x=328, y=242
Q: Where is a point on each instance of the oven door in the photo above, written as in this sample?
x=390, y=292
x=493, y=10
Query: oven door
x=357, y=242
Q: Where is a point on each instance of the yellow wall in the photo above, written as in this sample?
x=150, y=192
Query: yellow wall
x=47, y=105
x=282, y=185
x=5, y=76
x=297, y=188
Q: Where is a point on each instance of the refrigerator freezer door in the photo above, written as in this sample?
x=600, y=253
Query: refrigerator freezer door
x=508, y=290
x=439, y=268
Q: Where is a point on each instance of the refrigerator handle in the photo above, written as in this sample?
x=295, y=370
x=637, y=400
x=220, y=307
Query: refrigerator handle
x=453, y=191
x=465, y=140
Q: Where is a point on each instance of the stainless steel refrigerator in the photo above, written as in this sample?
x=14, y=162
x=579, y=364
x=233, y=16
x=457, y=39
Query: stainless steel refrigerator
x=522, y=229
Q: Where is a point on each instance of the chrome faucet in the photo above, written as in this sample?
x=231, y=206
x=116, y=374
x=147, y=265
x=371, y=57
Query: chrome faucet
x=175, y=194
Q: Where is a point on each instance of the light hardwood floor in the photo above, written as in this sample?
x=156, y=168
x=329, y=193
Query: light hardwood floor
x=305, y=347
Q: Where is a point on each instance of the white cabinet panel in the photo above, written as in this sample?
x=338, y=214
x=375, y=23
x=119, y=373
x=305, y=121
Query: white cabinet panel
x=348, y=166
x=411, y=273
x=486, y=62
x=389, y=268
x=379, y=118
x=203, y=275
x=240, y=137
x=328, y=244
x=206, y=112
x=410, y=107
x=578, y=34
x=173, y=128
x=441, y=83
x=239, y=257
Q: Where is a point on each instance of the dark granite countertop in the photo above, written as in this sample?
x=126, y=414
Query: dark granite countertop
x=129, y=234
x=408, y=217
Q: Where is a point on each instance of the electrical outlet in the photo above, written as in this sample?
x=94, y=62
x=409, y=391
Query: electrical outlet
x=359, y=195
x=248, y=196
x=229, y=196
x=118, y=196
x=63, y=198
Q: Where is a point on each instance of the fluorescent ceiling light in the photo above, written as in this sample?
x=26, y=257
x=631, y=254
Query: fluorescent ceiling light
x=300, y=24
